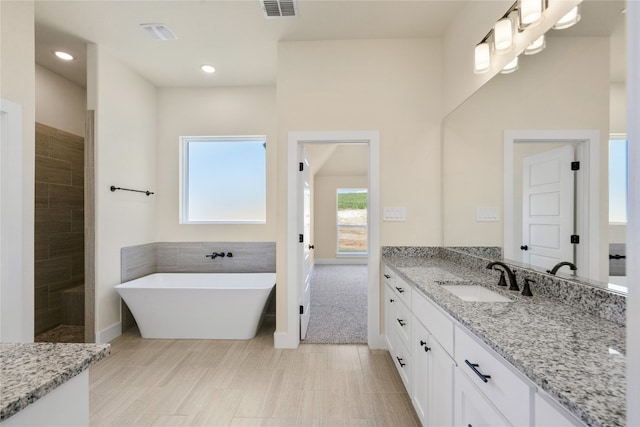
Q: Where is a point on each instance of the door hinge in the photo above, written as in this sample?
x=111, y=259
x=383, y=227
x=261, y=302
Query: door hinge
x=575, y=166
x=301, y=167
x=300, y=238
x=575, y=239
x=302, y=309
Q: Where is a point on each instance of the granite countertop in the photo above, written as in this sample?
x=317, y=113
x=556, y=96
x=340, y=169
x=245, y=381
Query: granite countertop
x=577, y=358
x=28, y=371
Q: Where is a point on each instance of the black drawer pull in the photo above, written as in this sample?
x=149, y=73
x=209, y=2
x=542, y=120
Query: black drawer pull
x=391, y=300
x=402, y=323
x=400, y=362
x=473, y=367
x=387, y=276
x=401, y=290
x=422, y=343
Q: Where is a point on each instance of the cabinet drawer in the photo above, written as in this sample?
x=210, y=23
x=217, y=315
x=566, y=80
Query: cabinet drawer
x=508, y=392
x=389, y=275
x=438, y=324
x=403, y=290
x=472, y=408
x=402, y=360
x=403, y=323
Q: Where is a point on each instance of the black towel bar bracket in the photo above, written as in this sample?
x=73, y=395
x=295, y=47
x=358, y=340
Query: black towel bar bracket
x=147, y=192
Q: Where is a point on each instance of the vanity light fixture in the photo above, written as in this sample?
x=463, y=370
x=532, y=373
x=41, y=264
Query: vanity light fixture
x=530, y=12
x=568, y=20
x=63, y=55
x=536, y=46
x=503, y=35
x=482, y=60
x=208, y=69
x=510, y=67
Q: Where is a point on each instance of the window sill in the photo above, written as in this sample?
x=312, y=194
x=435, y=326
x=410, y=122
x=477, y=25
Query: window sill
x=352, y=255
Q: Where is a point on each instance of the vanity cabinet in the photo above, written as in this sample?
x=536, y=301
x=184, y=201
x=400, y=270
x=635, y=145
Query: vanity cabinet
x=493, y=378
x=432, y=394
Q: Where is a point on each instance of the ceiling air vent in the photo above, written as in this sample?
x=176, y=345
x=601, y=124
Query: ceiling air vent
x=159, y=31
x=279, y=8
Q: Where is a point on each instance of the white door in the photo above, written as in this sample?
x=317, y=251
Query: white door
x=548, y=218
x=305, y=246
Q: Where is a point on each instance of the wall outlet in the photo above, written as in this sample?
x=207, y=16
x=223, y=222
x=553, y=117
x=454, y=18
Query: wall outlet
x=394, y=214
x=487, y=214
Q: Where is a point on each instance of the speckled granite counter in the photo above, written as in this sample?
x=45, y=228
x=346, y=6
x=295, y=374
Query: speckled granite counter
x=575, y=357
x=28, y=371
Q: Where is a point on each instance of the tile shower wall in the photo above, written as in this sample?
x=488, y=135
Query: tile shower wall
x=190, y=257
x=59, y=228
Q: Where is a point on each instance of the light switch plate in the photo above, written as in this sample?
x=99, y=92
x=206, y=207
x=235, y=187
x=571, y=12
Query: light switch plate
x=394, y=214
x=487, y=214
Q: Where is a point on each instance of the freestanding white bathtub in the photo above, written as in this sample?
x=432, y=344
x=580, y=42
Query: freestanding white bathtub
x=198, y=305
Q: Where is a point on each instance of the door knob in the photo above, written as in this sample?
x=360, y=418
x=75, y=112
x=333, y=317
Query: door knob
x=524, y=247
x=311, y=247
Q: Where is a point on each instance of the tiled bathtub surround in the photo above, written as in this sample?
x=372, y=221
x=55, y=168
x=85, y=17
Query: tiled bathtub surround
x=190, y=257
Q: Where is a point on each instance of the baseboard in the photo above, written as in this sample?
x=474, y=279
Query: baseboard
x=285, y=340
x=342, y=261
x=377, y=342
x=109, y=334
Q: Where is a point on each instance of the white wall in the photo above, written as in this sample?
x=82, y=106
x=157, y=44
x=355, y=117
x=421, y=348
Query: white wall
x=17, y=84
x=549, y=91
x=60, y=103
x=125, y=156
x=390, y=86
x=618, y=108
x=206, y=112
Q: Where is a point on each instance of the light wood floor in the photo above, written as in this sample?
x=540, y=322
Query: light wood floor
x=245, y=383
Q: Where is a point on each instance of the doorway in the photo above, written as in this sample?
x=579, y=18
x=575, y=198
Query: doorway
x=338, y=291
x=587, y=205
x=291, y=338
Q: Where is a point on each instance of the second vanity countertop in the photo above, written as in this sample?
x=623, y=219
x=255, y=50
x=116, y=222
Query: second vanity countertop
x=575, y=357
x=28, y=371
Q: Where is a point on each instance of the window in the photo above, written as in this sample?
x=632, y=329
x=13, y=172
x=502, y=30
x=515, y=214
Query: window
x=618, y=180
x=352, y=221
x=223, y=180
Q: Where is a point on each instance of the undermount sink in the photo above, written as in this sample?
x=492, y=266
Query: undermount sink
x=475, y=293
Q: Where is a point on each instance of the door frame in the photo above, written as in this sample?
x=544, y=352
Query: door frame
x=16, y=296
x=291, y=338
x=588, y=203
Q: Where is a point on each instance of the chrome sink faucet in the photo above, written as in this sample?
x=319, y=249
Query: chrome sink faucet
x=513, y=284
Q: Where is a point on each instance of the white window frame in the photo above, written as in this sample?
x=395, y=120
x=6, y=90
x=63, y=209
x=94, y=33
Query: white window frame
x=184, y=178
x=366, y=226
x=620, y=137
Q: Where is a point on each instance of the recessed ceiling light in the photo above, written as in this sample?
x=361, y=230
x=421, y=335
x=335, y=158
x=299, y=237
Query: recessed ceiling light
x=63, y=55
x=208, y=69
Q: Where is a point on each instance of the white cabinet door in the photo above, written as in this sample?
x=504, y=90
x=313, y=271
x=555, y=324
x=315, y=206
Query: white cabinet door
x=441, y=371
x=472, y=409
x=421, y=377
x=433, y=371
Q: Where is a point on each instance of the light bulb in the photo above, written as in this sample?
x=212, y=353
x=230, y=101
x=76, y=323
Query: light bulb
x=482, y=60
x=530, y=11
x=568, y=20
x=536, y=46
x=208, y=69
x=510, y=67
x=503, y=35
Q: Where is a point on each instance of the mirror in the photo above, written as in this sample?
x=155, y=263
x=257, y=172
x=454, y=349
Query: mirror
x=572, y=94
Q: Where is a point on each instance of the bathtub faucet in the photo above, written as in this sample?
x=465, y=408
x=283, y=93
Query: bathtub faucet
x=215, y=255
